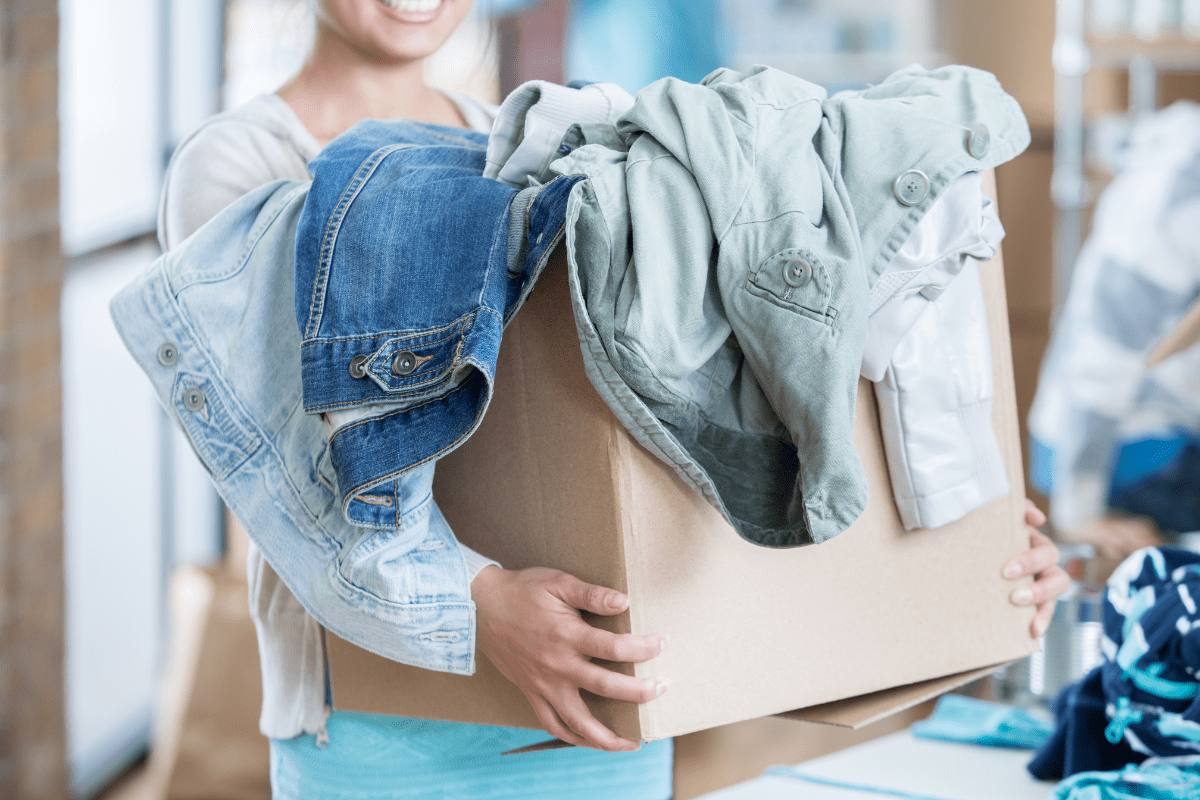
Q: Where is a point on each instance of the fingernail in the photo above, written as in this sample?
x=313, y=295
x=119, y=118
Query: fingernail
x=662, y=643
x=1012, y=571
x=1021, y=597
x=661, y=685
x=1039, y=626
x=616, y=601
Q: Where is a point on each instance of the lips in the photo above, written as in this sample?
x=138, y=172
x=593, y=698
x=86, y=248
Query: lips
x=414, y=10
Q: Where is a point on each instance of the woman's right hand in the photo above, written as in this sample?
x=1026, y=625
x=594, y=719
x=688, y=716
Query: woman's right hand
x=529, y=626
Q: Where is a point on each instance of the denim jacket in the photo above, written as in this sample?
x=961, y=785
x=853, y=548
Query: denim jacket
x=408, y=265
x=213, y=325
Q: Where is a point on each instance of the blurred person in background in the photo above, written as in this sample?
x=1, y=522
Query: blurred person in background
x=367, y=60
x=1116, y=445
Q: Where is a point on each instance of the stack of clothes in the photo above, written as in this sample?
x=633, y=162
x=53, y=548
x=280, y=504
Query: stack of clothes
x=1142, y=704
x=740, y=251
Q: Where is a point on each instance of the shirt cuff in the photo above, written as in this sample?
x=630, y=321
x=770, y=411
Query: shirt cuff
x=475, y=562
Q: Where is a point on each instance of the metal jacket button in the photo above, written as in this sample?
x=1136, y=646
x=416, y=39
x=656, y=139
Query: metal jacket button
x=193, y=399
x=404, y=362
x=358, y=367
x=168, y=354
x=979, y=140
x=911, y=187
x=796, y=272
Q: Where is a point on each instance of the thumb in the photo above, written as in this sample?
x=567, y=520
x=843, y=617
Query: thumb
x=588, y=596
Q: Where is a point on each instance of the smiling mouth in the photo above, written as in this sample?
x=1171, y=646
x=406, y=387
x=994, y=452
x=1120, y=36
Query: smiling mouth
x=414, y=10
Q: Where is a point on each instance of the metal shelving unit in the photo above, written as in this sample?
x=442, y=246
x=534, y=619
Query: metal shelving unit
x=1075, y=54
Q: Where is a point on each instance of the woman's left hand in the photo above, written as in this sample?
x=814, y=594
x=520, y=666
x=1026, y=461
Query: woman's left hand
x=1041, y=561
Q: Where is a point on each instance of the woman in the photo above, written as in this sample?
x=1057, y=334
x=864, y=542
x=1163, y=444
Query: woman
x=368, y=61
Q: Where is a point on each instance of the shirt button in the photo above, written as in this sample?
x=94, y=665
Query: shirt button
x=404, y=362
x=978, y=141
x=193, y=399
x=168, y=354
x=796, y=272
x=911, y=187
x=358, y=367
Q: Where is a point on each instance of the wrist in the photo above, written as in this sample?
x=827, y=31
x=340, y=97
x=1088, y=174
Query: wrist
x=485, y=581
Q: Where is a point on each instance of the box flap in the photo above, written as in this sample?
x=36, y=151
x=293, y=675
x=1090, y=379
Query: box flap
x=854, y=712
x=857, y=712
x=1185, y=334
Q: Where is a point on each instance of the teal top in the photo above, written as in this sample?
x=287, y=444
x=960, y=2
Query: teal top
x=398, y=758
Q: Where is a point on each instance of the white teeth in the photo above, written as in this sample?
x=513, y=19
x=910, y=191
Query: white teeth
x=413, y=5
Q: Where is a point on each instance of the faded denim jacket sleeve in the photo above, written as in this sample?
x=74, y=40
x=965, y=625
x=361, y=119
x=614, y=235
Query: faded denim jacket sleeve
x=212, y=323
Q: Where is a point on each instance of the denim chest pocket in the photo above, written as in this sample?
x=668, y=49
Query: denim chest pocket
x=413, y=363
x=222, y=441
x=798, y=280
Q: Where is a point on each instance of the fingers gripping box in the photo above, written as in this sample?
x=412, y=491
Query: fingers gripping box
x=845, y=632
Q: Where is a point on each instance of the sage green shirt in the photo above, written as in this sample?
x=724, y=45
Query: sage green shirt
x=722, y=251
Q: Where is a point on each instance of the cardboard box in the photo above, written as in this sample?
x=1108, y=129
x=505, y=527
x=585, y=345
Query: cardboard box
x=873, y=621
x=1183, y=336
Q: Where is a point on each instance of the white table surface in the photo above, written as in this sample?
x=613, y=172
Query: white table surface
x=903, y=763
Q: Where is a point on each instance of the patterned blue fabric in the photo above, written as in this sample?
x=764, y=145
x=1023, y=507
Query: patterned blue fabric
x=1156, y=779
x=1144, y=700
x=379, y=757
x=965, y=719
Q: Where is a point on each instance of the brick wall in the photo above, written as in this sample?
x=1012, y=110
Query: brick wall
x=32, y=735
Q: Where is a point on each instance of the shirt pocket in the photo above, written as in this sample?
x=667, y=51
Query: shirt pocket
x=798, y=280
x=221, y=439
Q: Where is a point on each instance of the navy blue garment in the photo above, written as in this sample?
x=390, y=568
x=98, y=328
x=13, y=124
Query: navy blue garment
x=1078, y=743
x=1170, y=495
x=1144, y=699
x=1158, y=478
x=408, y=265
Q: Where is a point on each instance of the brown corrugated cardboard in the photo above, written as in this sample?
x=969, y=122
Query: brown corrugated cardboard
x=1183, y=336
x=551, y=478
